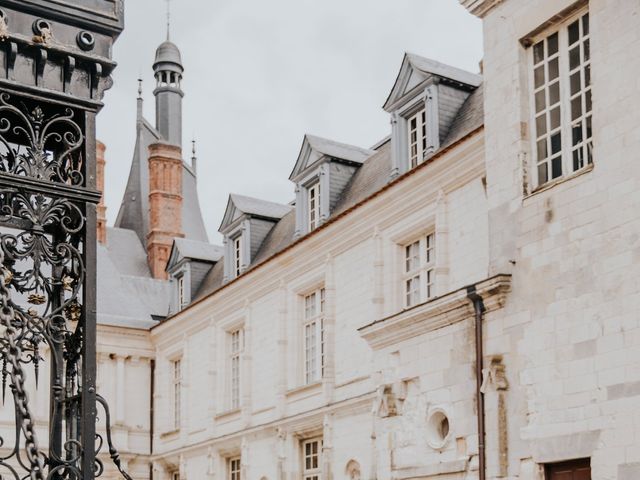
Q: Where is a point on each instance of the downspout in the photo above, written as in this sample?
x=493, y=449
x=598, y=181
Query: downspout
x=478, y=306
x=152, y=389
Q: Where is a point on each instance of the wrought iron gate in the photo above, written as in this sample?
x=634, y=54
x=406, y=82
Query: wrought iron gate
x=54, y=67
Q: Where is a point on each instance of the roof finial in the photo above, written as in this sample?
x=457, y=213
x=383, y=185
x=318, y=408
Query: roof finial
x=194, y=159
x=168, y=19
x=139, y=88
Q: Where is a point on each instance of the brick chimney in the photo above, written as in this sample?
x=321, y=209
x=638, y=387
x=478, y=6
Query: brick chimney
x=101, y=209
x=165, y=204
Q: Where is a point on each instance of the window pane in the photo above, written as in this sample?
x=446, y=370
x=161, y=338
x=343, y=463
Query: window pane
x=556, y=143
x=588, y=101
x=540, y=100
x=575, y=83
x=587, y=75
x=586, y=50
x=555, y=118
x=576, y=108
x=538, y=52
x=585, y=24
x=578, y=161
x=542, y=149
x=554, y=93
x=576, y=134
x=539, y=76
x=542, y=173
x=556, y=167
x=541, y=125
x=552, y=44
x=554, y=69
x=574, y=57
x=574, y=32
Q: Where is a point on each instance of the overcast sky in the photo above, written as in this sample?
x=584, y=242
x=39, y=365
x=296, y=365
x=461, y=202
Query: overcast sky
x=260, y=74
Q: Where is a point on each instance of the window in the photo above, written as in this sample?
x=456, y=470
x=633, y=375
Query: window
x=419, y=263
x=417, y=130
x=573, y=470
x=313, y=336
x=311, y=461
x=235, y=349
x=313, y=196
x=175, y=476
x=233, y=467
x=237, y=255
x=562, y=101
x=182, y=295
x=177, y=391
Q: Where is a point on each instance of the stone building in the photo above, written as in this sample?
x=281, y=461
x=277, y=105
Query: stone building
x=459, y=301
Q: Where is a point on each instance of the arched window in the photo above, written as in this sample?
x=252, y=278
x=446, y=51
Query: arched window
x=353, y=470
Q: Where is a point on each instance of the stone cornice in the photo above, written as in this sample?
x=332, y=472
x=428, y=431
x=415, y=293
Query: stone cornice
x=479, y=8
x=437, y=313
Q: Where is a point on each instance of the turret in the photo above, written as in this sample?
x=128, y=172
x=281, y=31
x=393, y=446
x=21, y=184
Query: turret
x=168, y=73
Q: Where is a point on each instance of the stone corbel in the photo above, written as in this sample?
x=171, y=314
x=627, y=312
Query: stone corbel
x=41, y=62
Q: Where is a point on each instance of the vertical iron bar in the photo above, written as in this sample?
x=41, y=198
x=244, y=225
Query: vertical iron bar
x=88, y=407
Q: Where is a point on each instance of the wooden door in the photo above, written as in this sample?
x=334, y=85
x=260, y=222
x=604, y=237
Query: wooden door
x=574, y=470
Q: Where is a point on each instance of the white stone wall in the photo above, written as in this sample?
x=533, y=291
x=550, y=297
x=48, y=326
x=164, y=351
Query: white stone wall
x=358, y=260
x=569, y=331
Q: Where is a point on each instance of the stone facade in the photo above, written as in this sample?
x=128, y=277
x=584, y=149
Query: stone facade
x=220, y=386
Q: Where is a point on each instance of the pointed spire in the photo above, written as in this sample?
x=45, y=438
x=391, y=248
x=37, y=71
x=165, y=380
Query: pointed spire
x=168, y=20
x=194, y=158
x=139, y=100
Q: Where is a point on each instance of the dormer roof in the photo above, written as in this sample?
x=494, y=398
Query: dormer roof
x=240, y=205
x=315, y=149
x=417, y=71
x=185, y=249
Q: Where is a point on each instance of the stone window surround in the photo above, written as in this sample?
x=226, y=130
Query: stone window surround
x=412, y=229
x=319, y=175
x=427, y=99
x=241, y=229
x=223, y=406
x=313, y=281
x=181, y=270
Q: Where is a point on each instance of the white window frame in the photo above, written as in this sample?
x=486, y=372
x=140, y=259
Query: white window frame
x=313, y=206
x=237, y=255
x=176, y=391
x=235, y=347
x=418, y=267
x=234, y=468
x=417, y=147
x=311, y=461
x=569, y=159
x=313, y=336
x=182, y=296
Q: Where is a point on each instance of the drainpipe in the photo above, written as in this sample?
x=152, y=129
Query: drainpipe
x=478, y=306
x=152, y=365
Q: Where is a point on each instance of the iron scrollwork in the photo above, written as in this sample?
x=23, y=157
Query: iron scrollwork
x=42, y=280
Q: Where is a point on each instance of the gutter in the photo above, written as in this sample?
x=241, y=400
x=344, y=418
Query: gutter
x=478, y=306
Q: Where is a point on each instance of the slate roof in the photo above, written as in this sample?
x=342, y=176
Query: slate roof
x=194, y=250
x=127, y=294
x=134, y=209
x=371, y=177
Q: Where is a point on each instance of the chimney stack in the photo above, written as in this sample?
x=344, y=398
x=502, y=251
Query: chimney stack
x=165, y=204
x=101, y=208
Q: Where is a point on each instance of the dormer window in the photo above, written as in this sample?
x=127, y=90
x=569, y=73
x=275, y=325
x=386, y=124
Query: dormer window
x=313, y=196
x=423, y=105
x=417, y=137
x=321, y=172
x=237, y=255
